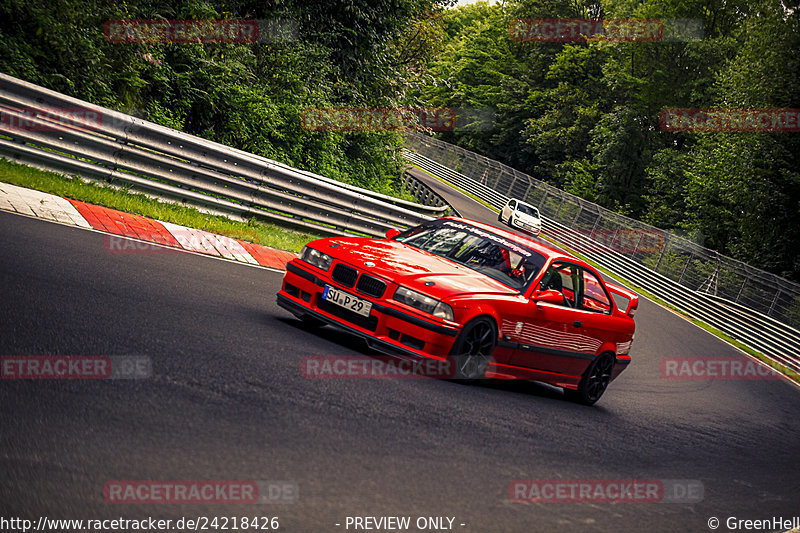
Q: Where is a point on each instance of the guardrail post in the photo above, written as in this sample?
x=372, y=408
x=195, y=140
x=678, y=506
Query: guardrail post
x=638, y=243
x=685, y=268
x=615, y=240
x=774, y=301
x=596, y=222
x=555, y=217
x=577, y=215
x=663, y=251
x=528, y=188
x=741, y=289
x=541, y=202
x=511, y=185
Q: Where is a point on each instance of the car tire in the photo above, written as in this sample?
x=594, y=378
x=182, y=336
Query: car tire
x=500, y=216
x=473, y=349
x=594, y=381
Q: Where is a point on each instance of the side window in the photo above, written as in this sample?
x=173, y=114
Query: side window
x=569, y=281
x=595, y=297
x=512, y=204
x=562, y=277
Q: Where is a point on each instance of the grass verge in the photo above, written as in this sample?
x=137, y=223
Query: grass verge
x=140, y=204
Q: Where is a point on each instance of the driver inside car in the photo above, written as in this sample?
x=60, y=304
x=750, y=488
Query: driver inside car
x=502, y=262
x=552, y=280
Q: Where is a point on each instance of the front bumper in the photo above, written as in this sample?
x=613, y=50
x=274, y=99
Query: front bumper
x=525, y=226
x=389, y=328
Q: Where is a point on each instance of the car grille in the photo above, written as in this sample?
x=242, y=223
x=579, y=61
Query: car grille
x=344, y=275
x=369, y=323
x=371, y=286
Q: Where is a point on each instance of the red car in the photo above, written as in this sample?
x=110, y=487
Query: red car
x=490, y=302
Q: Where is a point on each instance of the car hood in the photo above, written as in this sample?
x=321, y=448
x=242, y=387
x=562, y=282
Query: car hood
x=410, y=267
x=528, y=219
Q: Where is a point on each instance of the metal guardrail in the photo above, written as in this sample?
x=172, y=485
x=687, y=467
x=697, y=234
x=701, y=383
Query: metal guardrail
x=685, y=262
x=775, y=339
x=425, y=195
x=475, y=188
x=39, y=127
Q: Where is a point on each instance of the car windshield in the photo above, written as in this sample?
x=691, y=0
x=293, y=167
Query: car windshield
x=528, y=209
x=499, y=258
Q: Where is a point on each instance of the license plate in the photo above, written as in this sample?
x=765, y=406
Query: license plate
x=347, y=300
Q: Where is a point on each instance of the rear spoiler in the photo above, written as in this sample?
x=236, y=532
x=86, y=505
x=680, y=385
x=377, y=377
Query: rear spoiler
x=627, y=301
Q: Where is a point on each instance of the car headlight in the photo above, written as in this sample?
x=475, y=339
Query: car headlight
x=316, y=258
x=424, y=303
x=444, y=311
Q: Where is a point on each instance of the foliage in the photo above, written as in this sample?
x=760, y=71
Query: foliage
x=584, y=116
x=342, y=53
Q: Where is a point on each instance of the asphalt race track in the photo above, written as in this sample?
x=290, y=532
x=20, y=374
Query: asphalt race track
x=227, y=401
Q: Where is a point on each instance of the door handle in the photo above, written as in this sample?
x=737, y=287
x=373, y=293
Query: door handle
x=577, y=324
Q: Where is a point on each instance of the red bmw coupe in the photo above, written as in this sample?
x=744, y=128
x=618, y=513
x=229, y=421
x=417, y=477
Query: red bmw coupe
x=490, y=302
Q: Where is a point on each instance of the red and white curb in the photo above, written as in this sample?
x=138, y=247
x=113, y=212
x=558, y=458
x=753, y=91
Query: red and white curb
x=72, y=212
x=40, y=204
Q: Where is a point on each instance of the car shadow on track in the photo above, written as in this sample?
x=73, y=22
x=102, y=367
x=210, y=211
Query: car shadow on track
x=358, y=346
x=521, y=386
x=331, y=334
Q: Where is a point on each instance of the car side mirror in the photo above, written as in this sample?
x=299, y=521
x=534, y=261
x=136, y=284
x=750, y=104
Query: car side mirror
x=551, y=296
x=392, y=233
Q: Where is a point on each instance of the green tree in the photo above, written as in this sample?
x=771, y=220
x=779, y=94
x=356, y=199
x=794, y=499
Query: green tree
x=342, y=53
x=743, y=191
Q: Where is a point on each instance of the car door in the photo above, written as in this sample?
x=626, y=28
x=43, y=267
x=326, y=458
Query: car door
x=595, y=314
x=560, y=338
x=514, y=317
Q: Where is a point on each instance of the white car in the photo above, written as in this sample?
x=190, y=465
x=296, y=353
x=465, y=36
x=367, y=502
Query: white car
x=522, y=216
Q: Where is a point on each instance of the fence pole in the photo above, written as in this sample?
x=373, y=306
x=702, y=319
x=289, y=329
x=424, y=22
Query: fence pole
x=774, y=301
x=741, y=289
x=555, y=217
x=685, y=268
x=663, y=251
x=577, y=215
